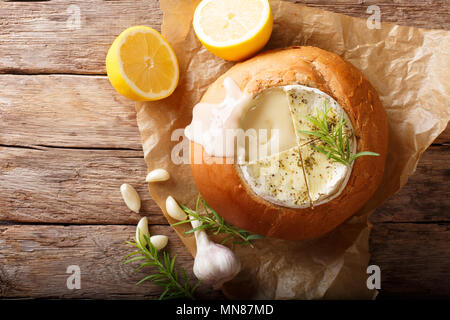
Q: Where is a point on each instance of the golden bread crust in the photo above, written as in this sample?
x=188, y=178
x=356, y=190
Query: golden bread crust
x=225, y=191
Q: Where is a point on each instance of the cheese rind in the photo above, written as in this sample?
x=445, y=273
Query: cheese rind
x=280, y=166
x=306, y=177
x=325, y=177
x=279, y=179
x=309, y=102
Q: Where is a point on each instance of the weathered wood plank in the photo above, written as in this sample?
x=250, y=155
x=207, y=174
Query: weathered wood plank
x=71, y=111
x=53, y=185
x=421, y=14
x=444, y=137
x=414, y=261
x=34, y=261
x=426, y=196
x=65, y=111
x=43, y=37
x=72, y=186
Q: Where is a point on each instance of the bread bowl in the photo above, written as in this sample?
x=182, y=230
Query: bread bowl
x=288, y=202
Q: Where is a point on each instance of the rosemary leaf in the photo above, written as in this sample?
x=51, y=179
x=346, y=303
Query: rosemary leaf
x=166, y=274
x=254, y=237
x=213, y=222
x=336, y=144
x=364, y=153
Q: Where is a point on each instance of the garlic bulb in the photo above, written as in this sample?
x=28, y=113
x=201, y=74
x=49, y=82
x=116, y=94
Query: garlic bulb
x=214, y=263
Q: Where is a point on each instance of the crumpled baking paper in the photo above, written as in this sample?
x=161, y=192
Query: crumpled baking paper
x=408, y=66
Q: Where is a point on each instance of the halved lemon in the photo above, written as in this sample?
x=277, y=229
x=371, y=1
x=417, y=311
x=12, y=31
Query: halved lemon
x=141, y=65
x=233, y=29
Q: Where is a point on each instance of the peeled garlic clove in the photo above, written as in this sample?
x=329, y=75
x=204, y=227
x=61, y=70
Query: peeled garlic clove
x=141, y=230
x=174, y=210
x=157, y=175
x=131, y=197
x=159, y=241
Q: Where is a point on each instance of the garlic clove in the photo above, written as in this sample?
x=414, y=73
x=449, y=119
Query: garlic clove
x=174, y=210
x=131, y=197
x=159, y=241
x=157, y=175
x=141, y=230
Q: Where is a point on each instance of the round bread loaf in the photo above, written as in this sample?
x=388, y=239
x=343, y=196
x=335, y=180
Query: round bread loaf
x=222, y=185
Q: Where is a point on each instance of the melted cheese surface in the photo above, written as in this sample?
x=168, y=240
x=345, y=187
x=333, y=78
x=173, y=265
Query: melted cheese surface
x=325, y=177
x=284, y=169
x=279, y=179
x=270, y=118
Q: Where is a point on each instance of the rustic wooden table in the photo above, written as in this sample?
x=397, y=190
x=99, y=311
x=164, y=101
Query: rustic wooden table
x=68, y=141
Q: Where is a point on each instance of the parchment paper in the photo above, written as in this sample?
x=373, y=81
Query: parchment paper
x=409, y=67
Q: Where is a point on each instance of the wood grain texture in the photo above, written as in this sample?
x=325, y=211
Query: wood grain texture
x=444, y=137
x=53, y=185
x=35, y=260
x=416, y=13
x=426, y=196
x=66, y=111
x=72, y=111
x=67, y=142
x=41, y=37
x=414, y=261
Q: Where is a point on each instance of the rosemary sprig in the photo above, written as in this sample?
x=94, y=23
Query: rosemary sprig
x=166, y=276
x=336, y=144
x=212, y=221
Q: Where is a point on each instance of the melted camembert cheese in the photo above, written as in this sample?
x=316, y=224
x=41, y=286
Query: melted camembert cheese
x=291, y=174
x=279, y=178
